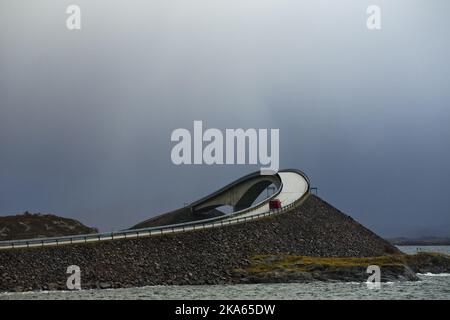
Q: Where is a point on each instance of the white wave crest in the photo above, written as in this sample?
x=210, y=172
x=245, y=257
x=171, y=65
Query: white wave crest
x=428, y=274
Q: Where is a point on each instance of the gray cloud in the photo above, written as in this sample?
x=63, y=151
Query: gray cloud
x=86, y=116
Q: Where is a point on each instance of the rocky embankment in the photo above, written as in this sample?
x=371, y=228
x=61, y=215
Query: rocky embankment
x=38, y=225
x=210, y=256
x=288, y=268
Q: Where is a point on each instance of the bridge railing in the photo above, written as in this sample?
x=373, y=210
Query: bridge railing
x=145, y=232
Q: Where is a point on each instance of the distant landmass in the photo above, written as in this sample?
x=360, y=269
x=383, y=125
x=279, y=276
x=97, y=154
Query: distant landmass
x=422, y=241
x=37, y=225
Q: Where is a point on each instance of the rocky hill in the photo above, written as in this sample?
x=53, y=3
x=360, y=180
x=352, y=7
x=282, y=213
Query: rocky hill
x=206, y=256
x=37, y=225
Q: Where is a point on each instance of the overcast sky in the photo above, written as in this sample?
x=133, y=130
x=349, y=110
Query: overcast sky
x=86, y=116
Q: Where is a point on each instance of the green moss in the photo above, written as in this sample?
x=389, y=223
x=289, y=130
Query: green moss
x=268, y=263
x=271, y=263
x=286, y=263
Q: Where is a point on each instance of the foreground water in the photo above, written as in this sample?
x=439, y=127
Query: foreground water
x=429, y=287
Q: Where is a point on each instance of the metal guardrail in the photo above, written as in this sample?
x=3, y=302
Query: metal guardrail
x=152, y=231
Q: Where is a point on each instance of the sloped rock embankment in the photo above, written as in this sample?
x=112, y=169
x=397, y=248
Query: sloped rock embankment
x=282, y=268
x=209, y=256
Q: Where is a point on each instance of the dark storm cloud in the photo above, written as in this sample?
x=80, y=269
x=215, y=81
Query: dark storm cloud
x=86, y=116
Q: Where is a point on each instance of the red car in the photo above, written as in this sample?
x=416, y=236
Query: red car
x=274, y=204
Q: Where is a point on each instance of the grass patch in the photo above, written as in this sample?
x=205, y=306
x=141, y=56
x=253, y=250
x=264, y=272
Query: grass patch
x=268, y=263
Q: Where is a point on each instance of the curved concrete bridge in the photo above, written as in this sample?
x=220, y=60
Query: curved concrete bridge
x=291, y=187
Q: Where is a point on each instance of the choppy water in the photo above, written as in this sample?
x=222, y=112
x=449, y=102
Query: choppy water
x=429, y=287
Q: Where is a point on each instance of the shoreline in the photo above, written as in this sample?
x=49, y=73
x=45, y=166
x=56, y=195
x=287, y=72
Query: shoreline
x=178, y=292
x=312, y=242
x=288, y=268
x=285, y=269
